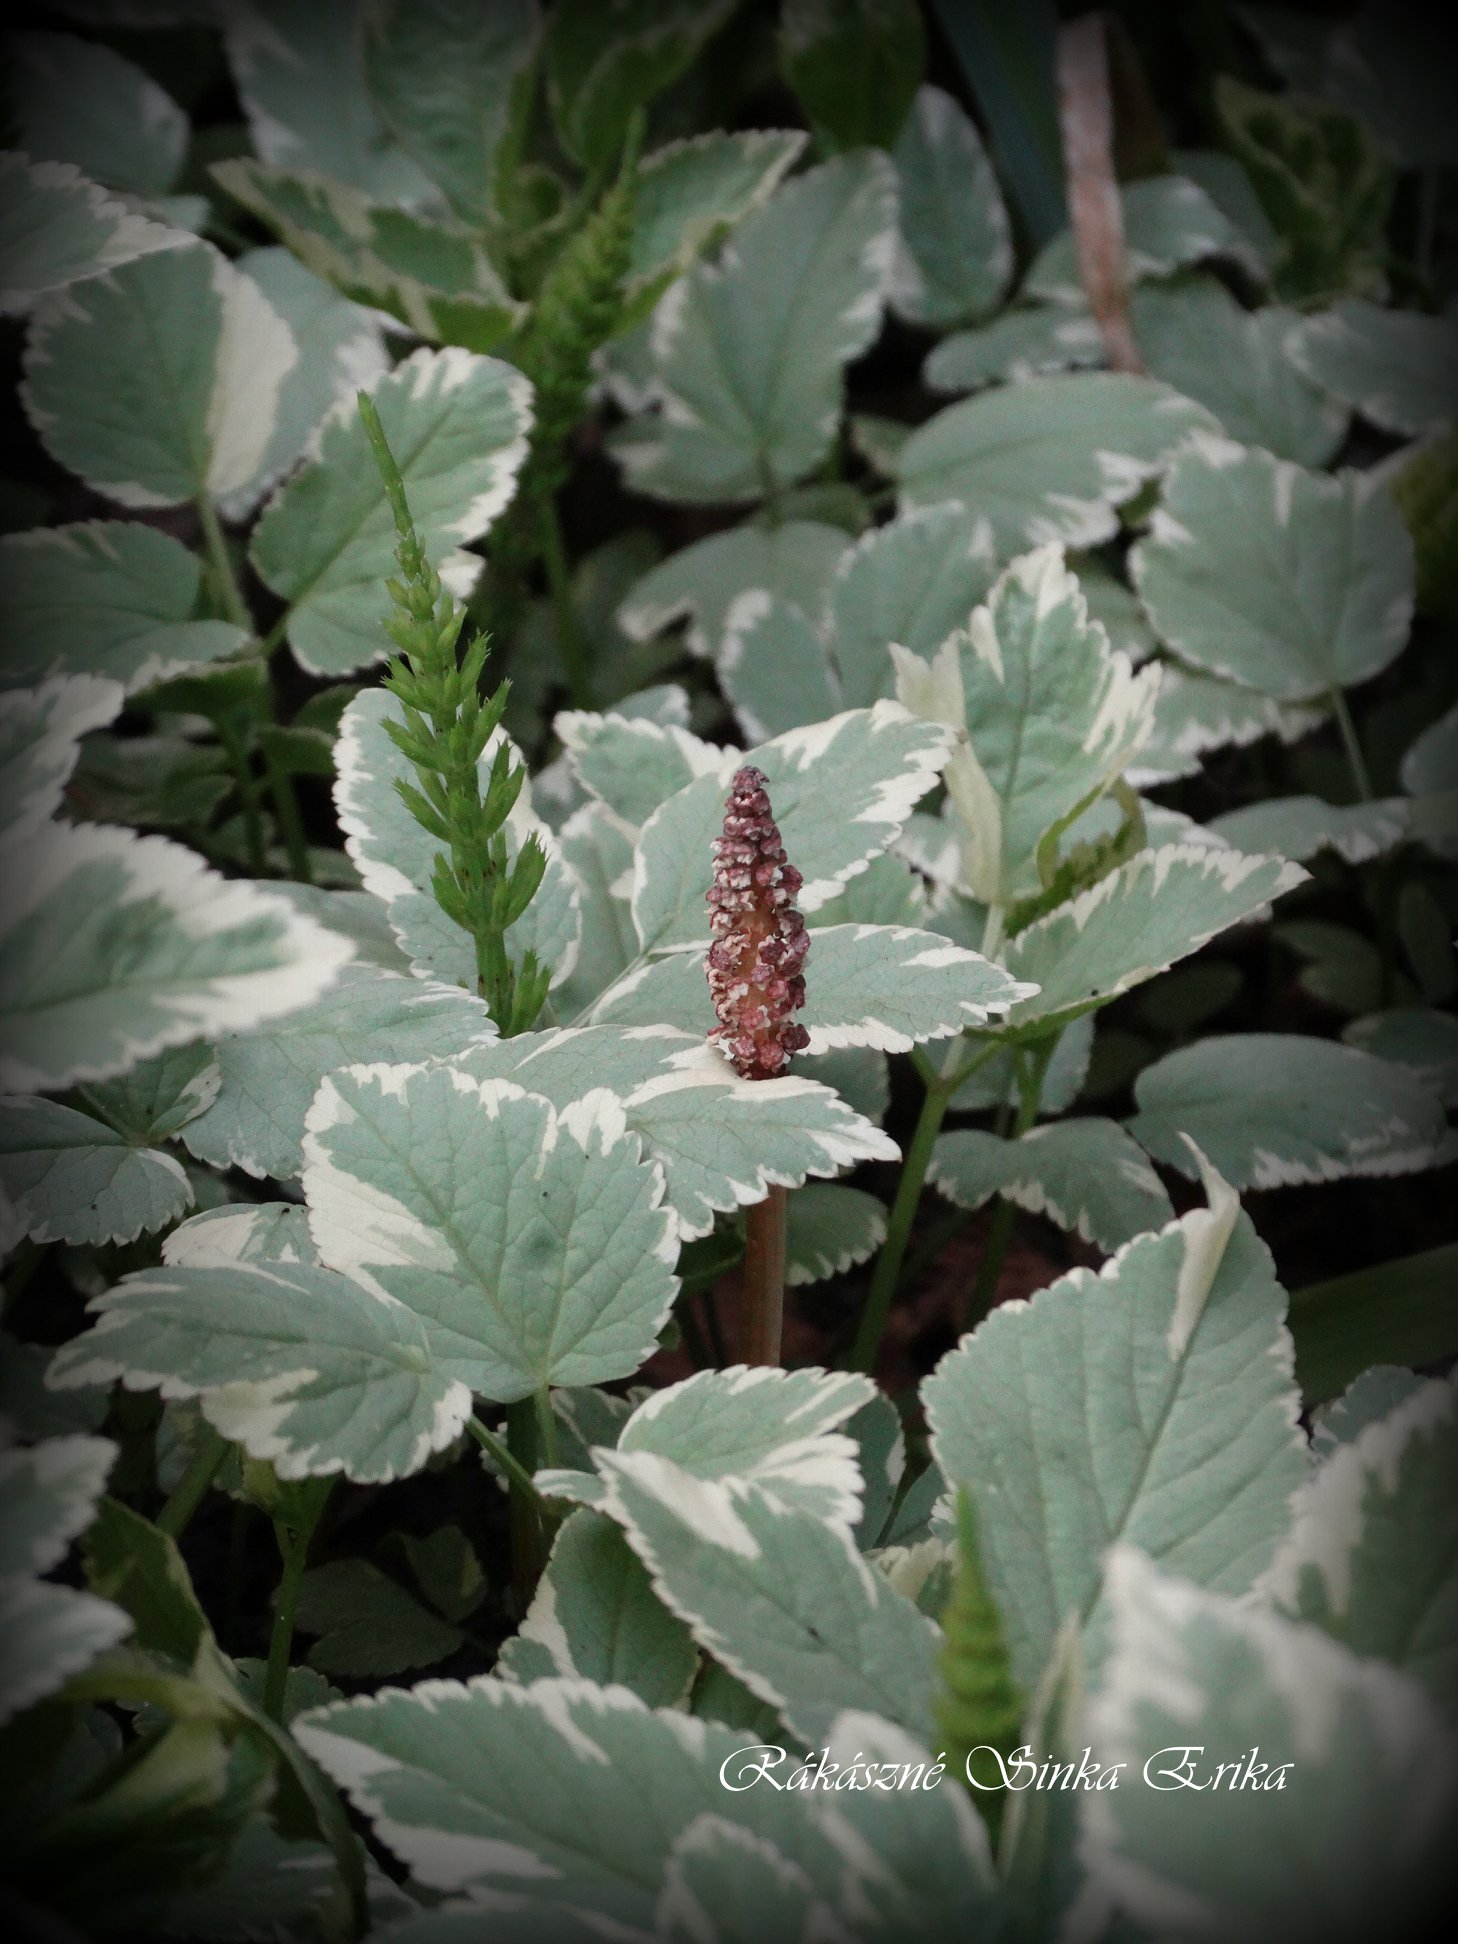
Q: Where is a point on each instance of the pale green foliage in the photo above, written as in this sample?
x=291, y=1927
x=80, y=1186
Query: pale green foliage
x=1271, y=1108
x=1173, y=1364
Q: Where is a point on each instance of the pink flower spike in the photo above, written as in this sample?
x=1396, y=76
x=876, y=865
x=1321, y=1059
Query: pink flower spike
x=757, y=959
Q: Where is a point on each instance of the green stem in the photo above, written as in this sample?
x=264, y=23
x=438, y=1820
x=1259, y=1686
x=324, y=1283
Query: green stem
x=221, y=562
x=527, y=1514
x=193, y=1486
x=241, y=763
x=569, y=629
x=294, y=1550
x=989, y=1272
x=941, y=1087
x=290, y=823
x=546, y=1429
x=502, y=1457
x=1356, y=762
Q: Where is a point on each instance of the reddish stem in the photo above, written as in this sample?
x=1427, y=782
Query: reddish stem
x=762, y=1322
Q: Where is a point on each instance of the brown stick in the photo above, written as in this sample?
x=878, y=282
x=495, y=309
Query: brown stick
x=1086, y=117
x=762, y=1322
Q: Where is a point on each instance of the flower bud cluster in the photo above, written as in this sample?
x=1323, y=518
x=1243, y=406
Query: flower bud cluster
x=756, y=962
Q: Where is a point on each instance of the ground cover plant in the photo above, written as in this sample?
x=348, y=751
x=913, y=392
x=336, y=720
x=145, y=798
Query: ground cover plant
x=727, y=786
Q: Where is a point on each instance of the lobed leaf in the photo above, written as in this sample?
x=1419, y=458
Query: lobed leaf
x=1151, y=1403
x=1292, y=582
x=159, y=382
x=1271, y=1109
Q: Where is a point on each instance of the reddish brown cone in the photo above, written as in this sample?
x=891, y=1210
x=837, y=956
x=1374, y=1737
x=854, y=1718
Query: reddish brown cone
x=757, y=959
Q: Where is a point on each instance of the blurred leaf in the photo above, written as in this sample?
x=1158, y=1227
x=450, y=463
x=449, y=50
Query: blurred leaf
x=1401, y=1312
x=855, y=67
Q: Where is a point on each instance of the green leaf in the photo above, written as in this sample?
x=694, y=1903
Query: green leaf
x=1052, y=717
x=632, y=764
x=286, y=61
x=40, y=738
x=1228, y=186
x=1085, y=1175
x=830, y=1228
x=457, y=424
x=47, y=1634
x=688, y=195
x=445, y=78
x=979, y=1708
x=1152, y=1403
x=1374, y=1395
x=301, y=1365
x=556, y=1272
x=749, y=360
x=720, y=1139
x=367, y=1624
x=1237, y=364
x=782, y=1599
x=1063, y=1078
x=1416, y=1038
x=1342, y=968
x=396, y=856
x=954, y=252
x=886, y=986
x=1365, y=1772
x=1404, y=1311
x=777, y=1430
x=48, y=1495
x=104, y=597
x=1370, y=1557
x=599, y=853
x=912, y=582
x=78, y=101
x=435, y=276
x=1323, y=180
x=601, y=66
x=701, y=581
x=1273, y=1109
x=727, y=1883
x=1153, y=911
x=856, y=68
x=1050, y=459
x=1430, y=774
x=137, y=1565
x=159, y=382
x=476, y=1783
x=28, y=1409
x=113, y=947
x=1293, y=582
x=882, y=761
x=1023, y=343
x=270, y=1074
x=56, y=227
x=773, y=667
x=341, y=349
x=1299, y=827
x=595, y=1615
x=68, y=1177
x=1169, y=223
x=1394, y=367
x=1194, y=714
x=267, y=1886
x=243, y=1232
